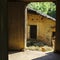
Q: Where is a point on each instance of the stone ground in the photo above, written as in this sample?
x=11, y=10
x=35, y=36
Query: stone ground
x=34, y=51
x=42, y=48
x=33, y=55
x=38, y=45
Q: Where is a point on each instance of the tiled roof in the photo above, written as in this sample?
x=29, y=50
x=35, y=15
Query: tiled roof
x=38, y=12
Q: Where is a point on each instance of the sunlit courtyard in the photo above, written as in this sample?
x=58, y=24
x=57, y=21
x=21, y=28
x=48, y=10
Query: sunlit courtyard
x=26, y=55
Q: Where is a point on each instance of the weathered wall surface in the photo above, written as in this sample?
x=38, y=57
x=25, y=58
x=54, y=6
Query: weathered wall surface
x=44, y=30
x=16, y=25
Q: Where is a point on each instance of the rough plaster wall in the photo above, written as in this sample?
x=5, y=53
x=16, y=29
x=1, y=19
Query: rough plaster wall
x=16, y=25
x=44, y=31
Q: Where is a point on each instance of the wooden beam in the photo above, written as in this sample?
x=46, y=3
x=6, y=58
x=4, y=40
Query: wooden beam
x=29, y=0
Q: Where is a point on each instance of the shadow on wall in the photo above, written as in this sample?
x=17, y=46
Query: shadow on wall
x=49, y=56
x=14, y=51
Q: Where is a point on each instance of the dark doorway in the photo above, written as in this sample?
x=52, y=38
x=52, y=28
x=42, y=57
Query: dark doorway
x=53, y=39
x=53, y=34
x=33, y=31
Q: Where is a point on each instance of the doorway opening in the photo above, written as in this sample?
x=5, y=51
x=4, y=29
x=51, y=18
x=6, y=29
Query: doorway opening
x=53, y=39
x=53, y=34
x=38, y=27
x=33, y=31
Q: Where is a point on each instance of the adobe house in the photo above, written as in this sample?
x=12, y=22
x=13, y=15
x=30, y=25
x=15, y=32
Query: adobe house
x=16, y=17
x=40, y=26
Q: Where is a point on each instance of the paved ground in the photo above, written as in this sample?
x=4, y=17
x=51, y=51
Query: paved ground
x=33, y=55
